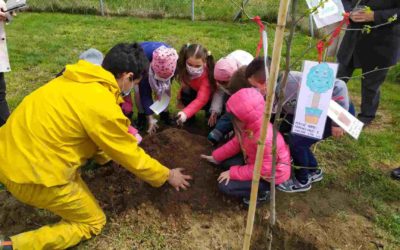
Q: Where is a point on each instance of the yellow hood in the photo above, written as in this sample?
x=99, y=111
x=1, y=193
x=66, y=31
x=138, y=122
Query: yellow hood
x=86, y=72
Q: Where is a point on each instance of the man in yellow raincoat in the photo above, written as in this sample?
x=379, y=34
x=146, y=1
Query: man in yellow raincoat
x=61, y=125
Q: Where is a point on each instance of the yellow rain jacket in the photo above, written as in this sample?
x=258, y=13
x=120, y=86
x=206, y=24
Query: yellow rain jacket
x=61, y=125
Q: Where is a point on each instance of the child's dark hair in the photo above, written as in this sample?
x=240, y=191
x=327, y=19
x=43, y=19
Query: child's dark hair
x=257, y=68
x=126, y=57
x=238, y=81
x=198, y=51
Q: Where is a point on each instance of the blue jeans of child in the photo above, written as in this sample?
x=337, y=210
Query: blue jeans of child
x=239, y=189
x=223, y=127
x=300, y=150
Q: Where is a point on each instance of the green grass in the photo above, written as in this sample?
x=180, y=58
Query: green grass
x=204, y=10
x=41, y=44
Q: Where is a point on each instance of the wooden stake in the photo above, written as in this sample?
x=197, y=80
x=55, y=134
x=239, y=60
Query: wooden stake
x=276, y=57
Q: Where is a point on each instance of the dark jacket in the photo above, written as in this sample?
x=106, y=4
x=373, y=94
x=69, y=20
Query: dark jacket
x=381, y=47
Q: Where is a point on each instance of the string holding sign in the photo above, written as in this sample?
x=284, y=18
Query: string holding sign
x=322, y=45
x=258, y=21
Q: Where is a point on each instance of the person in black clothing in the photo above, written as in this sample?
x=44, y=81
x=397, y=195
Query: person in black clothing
x=378, y=49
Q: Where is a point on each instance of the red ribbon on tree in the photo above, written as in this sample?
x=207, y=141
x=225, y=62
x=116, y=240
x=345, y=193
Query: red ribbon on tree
x=258, y=21
x=322, y=45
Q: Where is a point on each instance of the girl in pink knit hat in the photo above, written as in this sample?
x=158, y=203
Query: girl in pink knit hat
x=155, y=84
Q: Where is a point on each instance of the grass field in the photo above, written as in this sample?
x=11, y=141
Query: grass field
x=41, y=44
x=204, y=10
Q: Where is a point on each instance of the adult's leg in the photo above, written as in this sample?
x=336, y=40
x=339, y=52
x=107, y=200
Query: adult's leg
x=4, y=111
x=370, y=93
x=345, y=72
x=81, y=215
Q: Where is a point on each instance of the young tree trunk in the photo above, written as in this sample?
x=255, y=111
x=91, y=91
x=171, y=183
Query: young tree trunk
x=276, y=57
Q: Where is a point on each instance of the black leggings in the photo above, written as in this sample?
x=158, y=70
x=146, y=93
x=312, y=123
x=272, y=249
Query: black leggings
x=4, y=111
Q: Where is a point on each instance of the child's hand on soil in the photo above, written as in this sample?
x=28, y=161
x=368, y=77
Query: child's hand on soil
x=213, y=119
x=152, y=125
x=337, y=132
x=181, y=118
x=224, y=176
x=178, y=180
x=209, y=158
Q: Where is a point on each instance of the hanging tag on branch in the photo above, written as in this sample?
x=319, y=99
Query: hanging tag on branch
x=328, y=13
x=265, y=48
x=314, y=99
x=345, y=120
x=258, y=21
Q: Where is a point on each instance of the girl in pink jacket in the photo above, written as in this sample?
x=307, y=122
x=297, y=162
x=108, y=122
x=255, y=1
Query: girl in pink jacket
x=237, y=157
x=195, y=71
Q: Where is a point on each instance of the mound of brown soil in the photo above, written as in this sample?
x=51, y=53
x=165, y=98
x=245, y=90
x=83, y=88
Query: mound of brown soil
x=174, y=148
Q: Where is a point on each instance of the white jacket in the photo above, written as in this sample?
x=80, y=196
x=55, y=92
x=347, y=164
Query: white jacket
x=4, y=61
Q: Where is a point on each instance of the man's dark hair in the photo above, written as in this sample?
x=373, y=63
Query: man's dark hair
x=126, y=57
x=257, y=69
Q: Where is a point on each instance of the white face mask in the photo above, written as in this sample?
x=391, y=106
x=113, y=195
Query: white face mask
x=194, y=72
x=162, y=79
x=126, y=92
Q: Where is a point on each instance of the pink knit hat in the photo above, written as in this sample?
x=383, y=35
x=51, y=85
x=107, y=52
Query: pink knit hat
x=224, y=69
x=164, y=61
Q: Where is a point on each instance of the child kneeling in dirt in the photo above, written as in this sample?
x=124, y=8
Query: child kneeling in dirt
x=56, y=129
x=300, y=146
x=224, y=69
x=195, y=73
x=237, y=157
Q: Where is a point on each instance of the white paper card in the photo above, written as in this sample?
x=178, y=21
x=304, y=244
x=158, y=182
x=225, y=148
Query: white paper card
x=314, y=98
x=160, y=105
x=331, y=12
x=345, y=120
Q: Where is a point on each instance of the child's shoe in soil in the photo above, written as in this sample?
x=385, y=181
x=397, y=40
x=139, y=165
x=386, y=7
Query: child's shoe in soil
x=215, y=136
x=141, y=122
x=260, y=199
x=315, y=176
x=166, y=118
x=5, y=243
x=293, y=186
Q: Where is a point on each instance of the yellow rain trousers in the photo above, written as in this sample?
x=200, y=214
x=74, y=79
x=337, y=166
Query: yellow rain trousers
x=52, y=133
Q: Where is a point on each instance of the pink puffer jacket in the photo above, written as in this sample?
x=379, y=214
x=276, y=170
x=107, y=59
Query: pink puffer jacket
x=248, y=106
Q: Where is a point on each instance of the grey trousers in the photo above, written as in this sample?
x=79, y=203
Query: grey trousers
x=4, y=111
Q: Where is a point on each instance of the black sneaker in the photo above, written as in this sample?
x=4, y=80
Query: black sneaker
x=293, y=186
x=315, y=176
x=396, y=174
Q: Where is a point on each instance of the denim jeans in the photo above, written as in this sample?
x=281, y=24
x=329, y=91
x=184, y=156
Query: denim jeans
x=223, y=127
x=300, y=150
x=239, y=189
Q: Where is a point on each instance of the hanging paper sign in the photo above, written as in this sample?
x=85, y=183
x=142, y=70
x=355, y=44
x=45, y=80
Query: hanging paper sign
x=160, y=105
x=345, y=120
x=331, y=12
x=314, y=99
